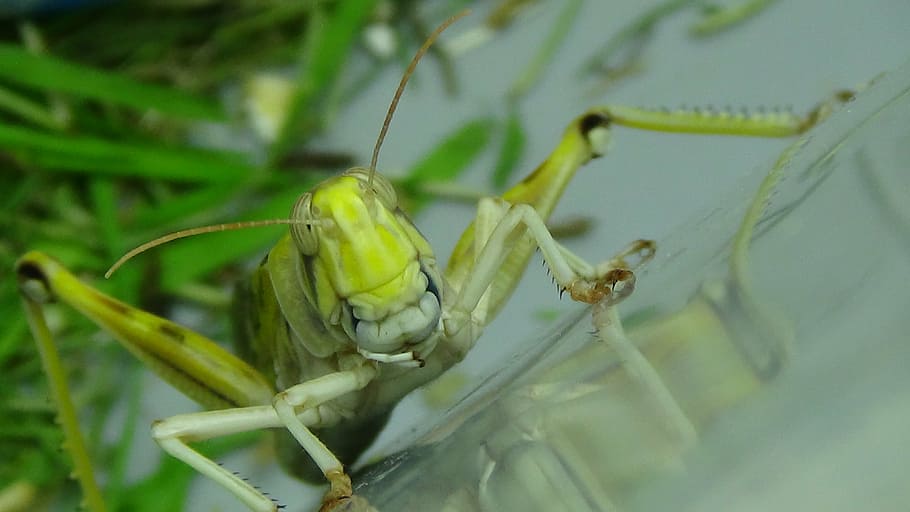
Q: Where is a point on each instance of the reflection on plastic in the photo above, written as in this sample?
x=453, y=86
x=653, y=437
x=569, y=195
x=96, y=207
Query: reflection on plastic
x=782, y=341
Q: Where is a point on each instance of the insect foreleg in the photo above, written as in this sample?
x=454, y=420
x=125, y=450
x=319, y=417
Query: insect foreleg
x=306, y=397
x=296, y=409
x=569, y=271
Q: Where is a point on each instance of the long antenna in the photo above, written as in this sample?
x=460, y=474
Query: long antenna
x=230, y=226
x=404, y=81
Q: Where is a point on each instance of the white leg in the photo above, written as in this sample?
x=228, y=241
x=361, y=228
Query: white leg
x=295, y=408
x=608, y=328
x=584, y=282
x=305, y=398
x=490, y=211
x=174, y=433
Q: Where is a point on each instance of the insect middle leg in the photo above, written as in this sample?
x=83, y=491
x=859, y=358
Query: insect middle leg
x=306, y=398
x=297, y=408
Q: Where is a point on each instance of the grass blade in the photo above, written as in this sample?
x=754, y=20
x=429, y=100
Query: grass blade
x=119, y=158
x=327, y=46
x=447, y=160
x=510, y=152
x=69, y=422
x=20, y=66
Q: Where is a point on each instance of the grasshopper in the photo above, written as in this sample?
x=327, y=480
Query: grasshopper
x=350, y=311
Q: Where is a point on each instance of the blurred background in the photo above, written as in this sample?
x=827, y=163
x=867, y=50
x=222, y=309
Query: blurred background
x=122, y=121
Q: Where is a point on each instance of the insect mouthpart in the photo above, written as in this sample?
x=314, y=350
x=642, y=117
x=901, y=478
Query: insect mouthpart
x=407, y=326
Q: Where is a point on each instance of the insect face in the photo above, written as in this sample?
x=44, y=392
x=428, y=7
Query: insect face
x=376, y=275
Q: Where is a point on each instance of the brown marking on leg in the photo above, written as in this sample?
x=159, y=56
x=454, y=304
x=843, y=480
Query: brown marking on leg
x=592, y=292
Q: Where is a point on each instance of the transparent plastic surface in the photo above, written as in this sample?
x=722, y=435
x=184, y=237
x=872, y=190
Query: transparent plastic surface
x=784, y=340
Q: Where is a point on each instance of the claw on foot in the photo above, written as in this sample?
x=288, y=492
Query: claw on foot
x=339, y=493
x=635, y=255
x=616, y=285
x=352, y=504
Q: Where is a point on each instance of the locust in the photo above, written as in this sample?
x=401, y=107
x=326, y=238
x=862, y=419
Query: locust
x=350, y=310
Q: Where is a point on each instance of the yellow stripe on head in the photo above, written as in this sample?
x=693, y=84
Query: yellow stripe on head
x=363, y=248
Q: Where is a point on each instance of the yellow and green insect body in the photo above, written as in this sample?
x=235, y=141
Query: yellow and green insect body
x=356, y=278
x=359, y=278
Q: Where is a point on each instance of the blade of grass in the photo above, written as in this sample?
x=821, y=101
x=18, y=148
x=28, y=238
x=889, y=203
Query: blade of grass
x=123, y=448
x=639, y=28
x=151, y=36
x=18, y=190
x=103, y=195
x=52, y=74
x=561, y=28
x=326, y=48
x=452, y=156
x=104, y=203
x=511, y=150
x=240, y=30
x=114, y=158
x=69, y=422
x=13, y=333
x=28, y=110
x=722, y=18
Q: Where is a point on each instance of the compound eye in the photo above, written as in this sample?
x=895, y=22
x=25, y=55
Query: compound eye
x=381, y=186
x=304, y=235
